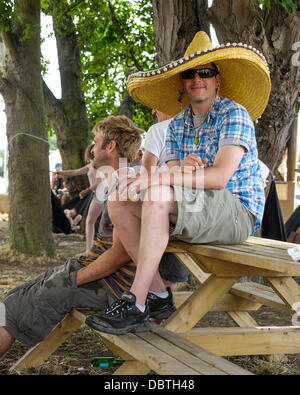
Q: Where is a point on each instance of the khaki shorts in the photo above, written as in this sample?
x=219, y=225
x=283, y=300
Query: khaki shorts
x=211, y=216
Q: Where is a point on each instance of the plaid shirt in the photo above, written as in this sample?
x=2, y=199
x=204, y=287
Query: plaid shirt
x=228, y=123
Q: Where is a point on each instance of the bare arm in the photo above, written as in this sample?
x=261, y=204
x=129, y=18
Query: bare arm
x=97, y=181
x=217, y=176
x=107, y=263
x=149, y=160
x=214, y=177
x=74, y=173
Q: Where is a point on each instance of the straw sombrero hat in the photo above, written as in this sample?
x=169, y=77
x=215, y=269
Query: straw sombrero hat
x=244, y=77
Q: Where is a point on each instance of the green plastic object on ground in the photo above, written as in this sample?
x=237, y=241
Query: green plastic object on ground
x=106, y=362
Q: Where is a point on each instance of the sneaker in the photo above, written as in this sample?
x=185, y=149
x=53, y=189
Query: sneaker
x=160, y=308
x=121, y=317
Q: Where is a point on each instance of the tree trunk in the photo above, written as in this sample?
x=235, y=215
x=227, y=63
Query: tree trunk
x=273, y=32
x=175, y=24
x=68, y=116
x=30, y=216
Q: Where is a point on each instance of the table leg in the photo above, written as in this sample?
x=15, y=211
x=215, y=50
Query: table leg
x=199, y=303
x=38, y=354
x=288, y=290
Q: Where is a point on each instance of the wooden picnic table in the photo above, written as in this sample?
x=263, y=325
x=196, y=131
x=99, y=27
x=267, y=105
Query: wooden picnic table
x=179, y=346
x=218, y=269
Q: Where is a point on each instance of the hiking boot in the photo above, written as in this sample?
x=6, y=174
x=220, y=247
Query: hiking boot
x=121, y=317
x=160, y=308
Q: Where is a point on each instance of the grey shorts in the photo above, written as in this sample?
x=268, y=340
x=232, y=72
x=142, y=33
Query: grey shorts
x=211, y=216
x=34, y=308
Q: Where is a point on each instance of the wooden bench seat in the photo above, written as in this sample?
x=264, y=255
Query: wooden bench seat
x=159, y=350
x=256, y=292
x=168, y=353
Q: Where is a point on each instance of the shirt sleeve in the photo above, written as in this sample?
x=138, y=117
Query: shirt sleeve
x=237, y=128
x=152, y=142
x=172, y=149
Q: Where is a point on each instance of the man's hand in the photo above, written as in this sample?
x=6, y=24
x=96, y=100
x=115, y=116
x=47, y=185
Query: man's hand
x=132, y=186
x=192, y=162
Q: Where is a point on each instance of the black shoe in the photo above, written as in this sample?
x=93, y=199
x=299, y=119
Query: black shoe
x=121, y=317
x=160, y=308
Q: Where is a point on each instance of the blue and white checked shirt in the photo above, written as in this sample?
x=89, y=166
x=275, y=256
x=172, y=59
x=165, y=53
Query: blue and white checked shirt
x=228, y=123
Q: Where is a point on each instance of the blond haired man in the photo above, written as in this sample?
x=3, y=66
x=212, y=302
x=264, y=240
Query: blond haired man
x=32, y=309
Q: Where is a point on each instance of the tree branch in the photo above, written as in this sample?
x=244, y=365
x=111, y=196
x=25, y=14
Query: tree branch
x=120, y=31
x=5, y=86
x=54, y=109
x=10, y=44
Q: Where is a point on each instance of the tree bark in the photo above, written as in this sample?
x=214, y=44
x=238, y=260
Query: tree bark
x=30, y=215
x=175, y=24
x=68, y=116
x=273, y=32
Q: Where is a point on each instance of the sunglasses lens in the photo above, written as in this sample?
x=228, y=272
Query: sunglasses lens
x=202, y=73
x=188, y=74
x=206, y=73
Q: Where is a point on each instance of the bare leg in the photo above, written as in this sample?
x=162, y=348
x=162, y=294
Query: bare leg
x=126, y=217
x=6, y=340
x=145, y=240
x=156, y=217
x=94, y=212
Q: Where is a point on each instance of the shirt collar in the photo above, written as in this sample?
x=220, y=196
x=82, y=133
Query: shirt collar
x=188, y=113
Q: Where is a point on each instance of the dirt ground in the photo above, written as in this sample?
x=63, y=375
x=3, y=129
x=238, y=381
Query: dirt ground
x=75, y=355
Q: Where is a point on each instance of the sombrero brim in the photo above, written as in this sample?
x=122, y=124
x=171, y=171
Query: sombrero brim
x=244, y=79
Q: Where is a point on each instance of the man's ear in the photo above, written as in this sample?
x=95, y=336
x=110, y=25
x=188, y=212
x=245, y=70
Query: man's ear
x=111, y=146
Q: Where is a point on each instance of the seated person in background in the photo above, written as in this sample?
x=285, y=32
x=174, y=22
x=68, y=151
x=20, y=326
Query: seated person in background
x=63, y=194
x=73, y=218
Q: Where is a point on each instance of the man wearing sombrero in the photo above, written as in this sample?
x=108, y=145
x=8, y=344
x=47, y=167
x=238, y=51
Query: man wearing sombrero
x=222, y=202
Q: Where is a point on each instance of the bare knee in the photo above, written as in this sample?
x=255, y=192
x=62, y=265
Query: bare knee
x=160, y=199
x=120, y=212
x=116, y=210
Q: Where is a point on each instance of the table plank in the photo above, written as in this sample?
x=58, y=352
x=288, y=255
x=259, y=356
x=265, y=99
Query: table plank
x=235, y=255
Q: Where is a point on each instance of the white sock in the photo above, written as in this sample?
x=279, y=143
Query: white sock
x=162, y=295
x=141, y=308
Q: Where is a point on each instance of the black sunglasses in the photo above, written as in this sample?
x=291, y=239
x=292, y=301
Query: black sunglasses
x=202, y=73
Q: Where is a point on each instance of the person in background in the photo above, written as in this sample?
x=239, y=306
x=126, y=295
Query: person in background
x=98, y=184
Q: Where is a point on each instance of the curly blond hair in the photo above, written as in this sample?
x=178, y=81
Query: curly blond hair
x=124, y=132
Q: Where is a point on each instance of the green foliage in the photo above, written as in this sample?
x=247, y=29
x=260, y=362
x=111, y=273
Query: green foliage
x=116, y=39
x=52, y=143
x=298, y=103
x=288, y=5
x=29, y=31
x=6, y=11
x=143, y=116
